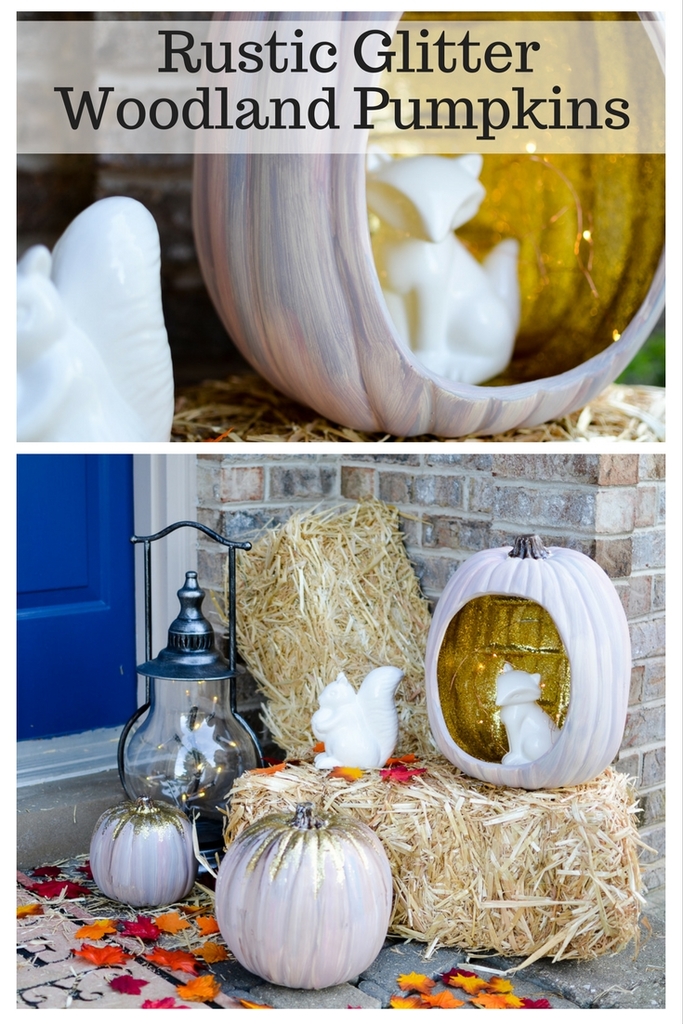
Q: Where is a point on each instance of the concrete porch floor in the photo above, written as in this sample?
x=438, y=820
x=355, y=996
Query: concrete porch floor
x=50, y=976
x=55, y=822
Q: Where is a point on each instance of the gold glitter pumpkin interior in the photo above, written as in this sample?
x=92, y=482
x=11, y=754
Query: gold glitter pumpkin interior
x=481, y=637
x=590, y=228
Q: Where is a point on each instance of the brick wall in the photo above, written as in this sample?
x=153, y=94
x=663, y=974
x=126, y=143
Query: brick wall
x=611, y=507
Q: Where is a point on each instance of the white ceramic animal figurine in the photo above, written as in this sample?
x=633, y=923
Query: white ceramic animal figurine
x=359, y=729
x=93, y=361
x=530, y=731
x=458, y=316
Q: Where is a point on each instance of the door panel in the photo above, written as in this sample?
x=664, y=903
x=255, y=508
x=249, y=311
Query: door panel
x=75, y=601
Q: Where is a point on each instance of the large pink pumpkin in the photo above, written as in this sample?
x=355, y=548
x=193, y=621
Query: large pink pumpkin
x=285, y=251
x=302, y=902
x=558, y=592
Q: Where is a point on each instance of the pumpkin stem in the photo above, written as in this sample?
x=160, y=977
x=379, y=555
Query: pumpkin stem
x=529, y=546
x=305, y=819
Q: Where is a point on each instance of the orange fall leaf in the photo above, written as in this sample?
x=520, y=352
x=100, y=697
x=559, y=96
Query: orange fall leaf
x=211, y=952
x=171, y=922
x=207, y=925
x=442, y=1000
x=248, y=1005
x=176, y=959
x=96, y=930
x=319, y=748
x=102, y=955
x=200, y=989
x=271, y=770
x=406, y=759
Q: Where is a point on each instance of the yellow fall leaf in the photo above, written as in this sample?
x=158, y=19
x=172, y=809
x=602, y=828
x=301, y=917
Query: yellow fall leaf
x=500, y=985
x=415, y=982
x=495, y=1001
x=406, y=1003
x=30, y=909
x=343, y=772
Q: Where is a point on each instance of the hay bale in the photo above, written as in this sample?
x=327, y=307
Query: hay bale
x=245, y=408
x=545, y=873
x=327, y=592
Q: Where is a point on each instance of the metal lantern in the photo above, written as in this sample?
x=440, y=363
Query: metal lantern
x=192, y=743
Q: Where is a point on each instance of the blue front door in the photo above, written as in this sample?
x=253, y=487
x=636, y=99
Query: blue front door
x=76, y=620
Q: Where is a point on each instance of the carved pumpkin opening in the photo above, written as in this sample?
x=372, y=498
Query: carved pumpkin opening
x=487, y=632
x=590, y=226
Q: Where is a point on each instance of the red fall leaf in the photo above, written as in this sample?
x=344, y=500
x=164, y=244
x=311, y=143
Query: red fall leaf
x=399, y=773
x=167, y=1003
x=128, y=985
x=47, y=872
x=142, y=928
x=536, y=1004
x=51, y=890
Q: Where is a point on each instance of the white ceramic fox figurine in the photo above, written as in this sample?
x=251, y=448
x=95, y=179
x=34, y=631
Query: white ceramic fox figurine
x=458, y=316
x=93, y=361
x=359, y=729
x=530, y=731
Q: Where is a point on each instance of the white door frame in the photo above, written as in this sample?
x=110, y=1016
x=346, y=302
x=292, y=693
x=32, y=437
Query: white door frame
x=165, y=491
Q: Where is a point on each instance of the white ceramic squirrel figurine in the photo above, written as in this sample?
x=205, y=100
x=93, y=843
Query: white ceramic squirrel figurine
x=93, y=361
x=458, y=316
x=359, y=729
x=530, y=731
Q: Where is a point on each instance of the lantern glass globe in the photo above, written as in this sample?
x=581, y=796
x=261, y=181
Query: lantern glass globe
x=189, y=749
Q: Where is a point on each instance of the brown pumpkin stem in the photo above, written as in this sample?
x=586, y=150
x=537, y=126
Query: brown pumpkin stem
x=305, y=819
x=529, y=546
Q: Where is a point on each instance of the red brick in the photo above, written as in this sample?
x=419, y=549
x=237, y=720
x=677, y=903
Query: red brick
x=618, y=470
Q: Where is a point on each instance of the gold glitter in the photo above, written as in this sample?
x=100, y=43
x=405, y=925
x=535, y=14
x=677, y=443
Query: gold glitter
x=482, y=636
x=144, y=815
